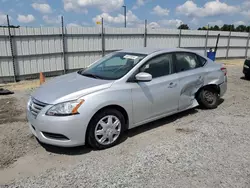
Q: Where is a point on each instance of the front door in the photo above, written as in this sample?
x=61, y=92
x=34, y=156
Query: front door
x=159, y=96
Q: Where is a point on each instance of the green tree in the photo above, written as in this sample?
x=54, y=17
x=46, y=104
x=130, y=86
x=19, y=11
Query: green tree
x=216, y=28
x=248, y=29
x=204, y=28
x=227, y=27
x=184, y=26
x=241, y=28
x=11, y=26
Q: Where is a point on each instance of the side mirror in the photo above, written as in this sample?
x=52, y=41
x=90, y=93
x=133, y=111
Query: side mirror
x=143, y=77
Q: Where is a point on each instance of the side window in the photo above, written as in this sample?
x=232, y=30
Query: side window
x=186, y=61
x=202, y=60
x=158, y=66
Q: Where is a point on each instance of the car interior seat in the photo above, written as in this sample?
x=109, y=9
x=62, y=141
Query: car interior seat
x=183, y=64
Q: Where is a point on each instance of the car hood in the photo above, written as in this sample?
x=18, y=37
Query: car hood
x=69, y=87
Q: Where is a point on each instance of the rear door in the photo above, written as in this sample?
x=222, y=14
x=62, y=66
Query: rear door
x=190, y=72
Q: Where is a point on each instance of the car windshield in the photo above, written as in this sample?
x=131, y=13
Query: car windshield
x=112, y=66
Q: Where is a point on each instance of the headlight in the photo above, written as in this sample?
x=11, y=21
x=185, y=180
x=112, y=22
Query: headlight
x=65, y=109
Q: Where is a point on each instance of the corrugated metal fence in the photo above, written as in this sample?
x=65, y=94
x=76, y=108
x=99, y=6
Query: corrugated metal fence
x=54, y=52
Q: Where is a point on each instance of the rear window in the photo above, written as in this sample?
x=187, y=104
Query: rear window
x=202, y=60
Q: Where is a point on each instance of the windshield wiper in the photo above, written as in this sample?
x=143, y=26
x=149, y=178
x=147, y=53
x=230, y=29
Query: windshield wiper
x=91, y=75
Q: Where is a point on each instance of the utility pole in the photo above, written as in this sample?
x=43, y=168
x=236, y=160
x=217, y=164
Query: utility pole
x=63, y=46
x=206, y=41
x=103, y=39
x=11, y=49
x=145, y=33
x=125, y=15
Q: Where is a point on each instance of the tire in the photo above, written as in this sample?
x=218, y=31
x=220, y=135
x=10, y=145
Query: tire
x=247, y=76
x=208, y=98
x=106, y=131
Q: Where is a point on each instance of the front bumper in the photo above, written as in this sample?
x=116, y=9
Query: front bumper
x=246, y=70
x=246, y=67
x=72, y=127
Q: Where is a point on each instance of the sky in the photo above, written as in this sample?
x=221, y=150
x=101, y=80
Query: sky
x=159, y=13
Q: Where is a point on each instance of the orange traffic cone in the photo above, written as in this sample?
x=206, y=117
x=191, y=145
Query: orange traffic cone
x=42, y=78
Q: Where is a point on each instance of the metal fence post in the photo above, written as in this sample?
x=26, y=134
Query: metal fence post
x=63, y=48
x=11, y=48
x=145, y=34
x=228, y=42
x=179, y=45
x=247, y=46
x=206, y=41
x=103, y=39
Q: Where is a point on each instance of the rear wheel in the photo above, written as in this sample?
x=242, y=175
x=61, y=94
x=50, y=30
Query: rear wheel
x=208, y=98
x=106, y=129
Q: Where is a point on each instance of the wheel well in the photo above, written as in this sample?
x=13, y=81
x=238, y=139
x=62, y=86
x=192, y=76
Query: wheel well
x=120, y=109
x=211, y=86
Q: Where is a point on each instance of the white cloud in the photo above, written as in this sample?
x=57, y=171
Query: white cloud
x=239, y=23
x=85, y=24
x=211, y=8
x=246, y=4
x=73, y=25
x=3, y=19
x=26, y=19
x=158, y=10
x=194, y=21
x=246, y=13
x=154, y=25
x=218, y=22
x=131, y=18
x=140, y=24
x=171, y=23
x=83, y=5
x=52, y=20
x=138, y=4
x=43, y=7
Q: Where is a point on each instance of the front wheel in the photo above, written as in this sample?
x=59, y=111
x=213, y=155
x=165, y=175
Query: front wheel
x=105, y=129
x=208, y=98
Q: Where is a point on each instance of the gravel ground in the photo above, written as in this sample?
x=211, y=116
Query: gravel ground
x=15, y=139
x=197, y=148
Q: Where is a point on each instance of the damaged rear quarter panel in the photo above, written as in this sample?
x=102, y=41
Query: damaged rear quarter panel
x=213, y=74
x=192, y=81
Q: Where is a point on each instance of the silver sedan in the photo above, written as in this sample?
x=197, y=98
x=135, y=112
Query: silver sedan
x=121, y=91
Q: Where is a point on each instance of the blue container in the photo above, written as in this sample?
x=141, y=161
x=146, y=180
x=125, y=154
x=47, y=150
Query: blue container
x=211, y=55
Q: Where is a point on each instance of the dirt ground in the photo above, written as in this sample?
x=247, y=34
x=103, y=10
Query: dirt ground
x=25, y=162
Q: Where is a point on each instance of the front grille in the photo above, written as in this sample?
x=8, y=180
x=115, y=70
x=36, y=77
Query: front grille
x=36, y=106
x=55, y=136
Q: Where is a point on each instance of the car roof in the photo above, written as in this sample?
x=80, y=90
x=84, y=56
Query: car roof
x=148, y=51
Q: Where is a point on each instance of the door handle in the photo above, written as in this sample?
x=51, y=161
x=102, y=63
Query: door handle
x=172, y=85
